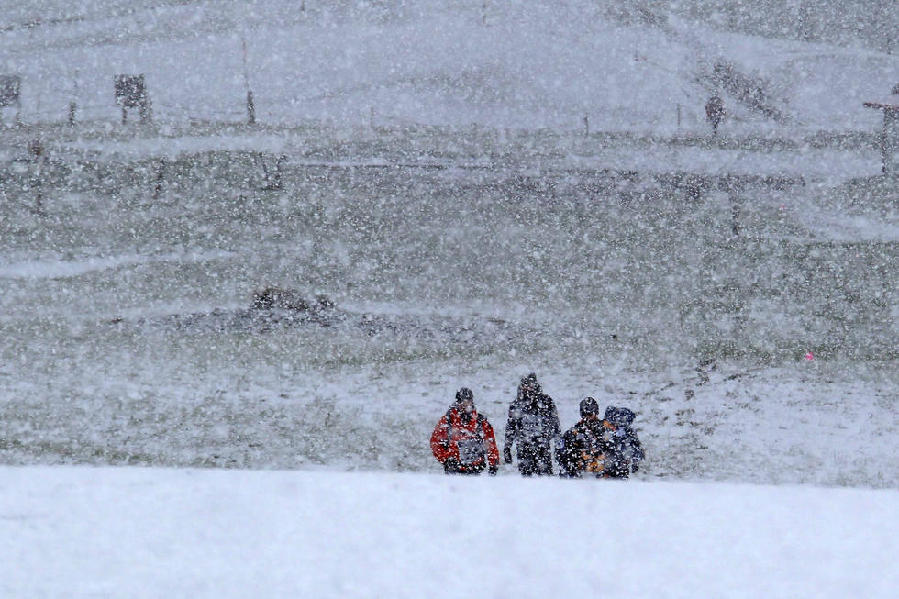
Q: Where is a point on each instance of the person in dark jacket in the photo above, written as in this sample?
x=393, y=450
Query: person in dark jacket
x=624, y=451
x=463, y=440
x=583, y=447
x=533, y=426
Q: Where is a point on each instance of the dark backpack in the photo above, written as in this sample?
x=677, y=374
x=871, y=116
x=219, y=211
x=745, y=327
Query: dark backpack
x=472, y=449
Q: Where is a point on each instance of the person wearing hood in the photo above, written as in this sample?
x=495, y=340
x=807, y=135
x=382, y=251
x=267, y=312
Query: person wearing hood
x=606, y=447
x=583, y=446
x=624, y=451
x=533, y=427
x=463, y=440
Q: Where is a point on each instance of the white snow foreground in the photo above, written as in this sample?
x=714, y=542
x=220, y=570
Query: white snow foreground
x=130, y=532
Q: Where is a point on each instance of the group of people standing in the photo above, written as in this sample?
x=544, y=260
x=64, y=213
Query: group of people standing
x=608, y=447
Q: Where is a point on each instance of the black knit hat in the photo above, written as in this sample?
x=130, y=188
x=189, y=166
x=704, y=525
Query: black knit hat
x=589, y=407
x=530, y=381
x=464, y=394
x=619, y=416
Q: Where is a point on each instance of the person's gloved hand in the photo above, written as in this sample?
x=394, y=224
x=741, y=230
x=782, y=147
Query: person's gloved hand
x=507, y=455
x=492, y=470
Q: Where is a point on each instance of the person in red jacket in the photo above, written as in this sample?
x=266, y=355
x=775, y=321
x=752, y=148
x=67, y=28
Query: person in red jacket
x=463, y=440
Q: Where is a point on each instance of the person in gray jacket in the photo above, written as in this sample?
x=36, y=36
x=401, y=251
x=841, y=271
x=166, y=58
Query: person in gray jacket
x=533, y=427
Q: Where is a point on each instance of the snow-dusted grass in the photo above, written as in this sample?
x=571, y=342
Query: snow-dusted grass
x=86, y=532
x=608, y=283
x=200, y=403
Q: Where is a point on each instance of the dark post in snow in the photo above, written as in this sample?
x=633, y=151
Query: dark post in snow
x=160, y=178
x=73, y=103
x=890, y=139
x=131, y=92
x=735, y=214
x=586, y=126
x=714, y=112
x=251, y=105
x=36, y=152
x=889, y=135
x=9, y=94
x=251, y=109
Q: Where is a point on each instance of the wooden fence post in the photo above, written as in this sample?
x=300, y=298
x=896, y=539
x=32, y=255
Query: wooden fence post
x=251, y=109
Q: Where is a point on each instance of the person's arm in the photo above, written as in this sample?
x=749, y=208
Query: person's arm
x=492, y=450
x=511, y=434
x=440, y=442
x=637, y=447
x=556, y=425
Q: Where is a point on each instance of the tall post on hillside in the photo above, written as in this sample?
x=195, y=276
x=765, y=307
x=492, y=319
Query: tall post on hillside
x=889, y=135
x=36, y=152
x=888, y=140
x=73, y=103
x=251, y=109
x=251, y=105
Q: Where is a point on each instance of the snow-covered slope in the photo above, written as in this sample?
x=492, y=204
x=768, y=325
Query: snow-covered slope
x=157, y=533
x=515, y=65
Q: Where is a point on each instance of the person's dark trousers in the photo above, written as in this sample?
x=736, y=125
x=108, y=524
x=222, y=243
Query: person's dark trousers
x=454, y=467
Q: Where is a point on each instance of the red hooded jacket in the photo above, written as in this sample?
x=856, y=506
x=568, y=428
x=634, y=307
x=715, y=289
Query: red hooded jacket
x=453, y=437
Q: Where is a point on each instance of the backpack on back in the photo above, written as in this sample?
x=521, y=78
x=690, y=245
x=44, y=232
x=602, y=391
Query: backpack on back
x=472, y=449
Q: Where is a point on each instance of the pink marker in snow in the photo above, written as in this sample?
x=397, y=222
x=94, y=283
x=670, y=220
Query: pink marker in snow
x=809, y=356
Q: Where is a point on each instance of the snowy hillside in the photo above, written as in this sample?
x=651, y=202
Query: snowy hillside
x=509, y=65
x=159, y=533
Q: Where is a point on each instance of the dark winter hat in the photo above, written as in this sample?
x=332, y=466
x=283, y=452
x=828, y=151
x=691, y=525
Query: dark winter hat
x=530, y=381
x=625, y=417
x=619, y=416
x=464, y=394
x=589, y=407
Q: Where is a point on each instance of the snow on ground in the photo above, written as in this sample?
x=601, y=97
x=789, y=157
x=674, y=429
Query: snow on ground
x=592, y=268
x=826, y=166
x=519, y=65
x=52, y=269
x=107, y=532
x=812, y=423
